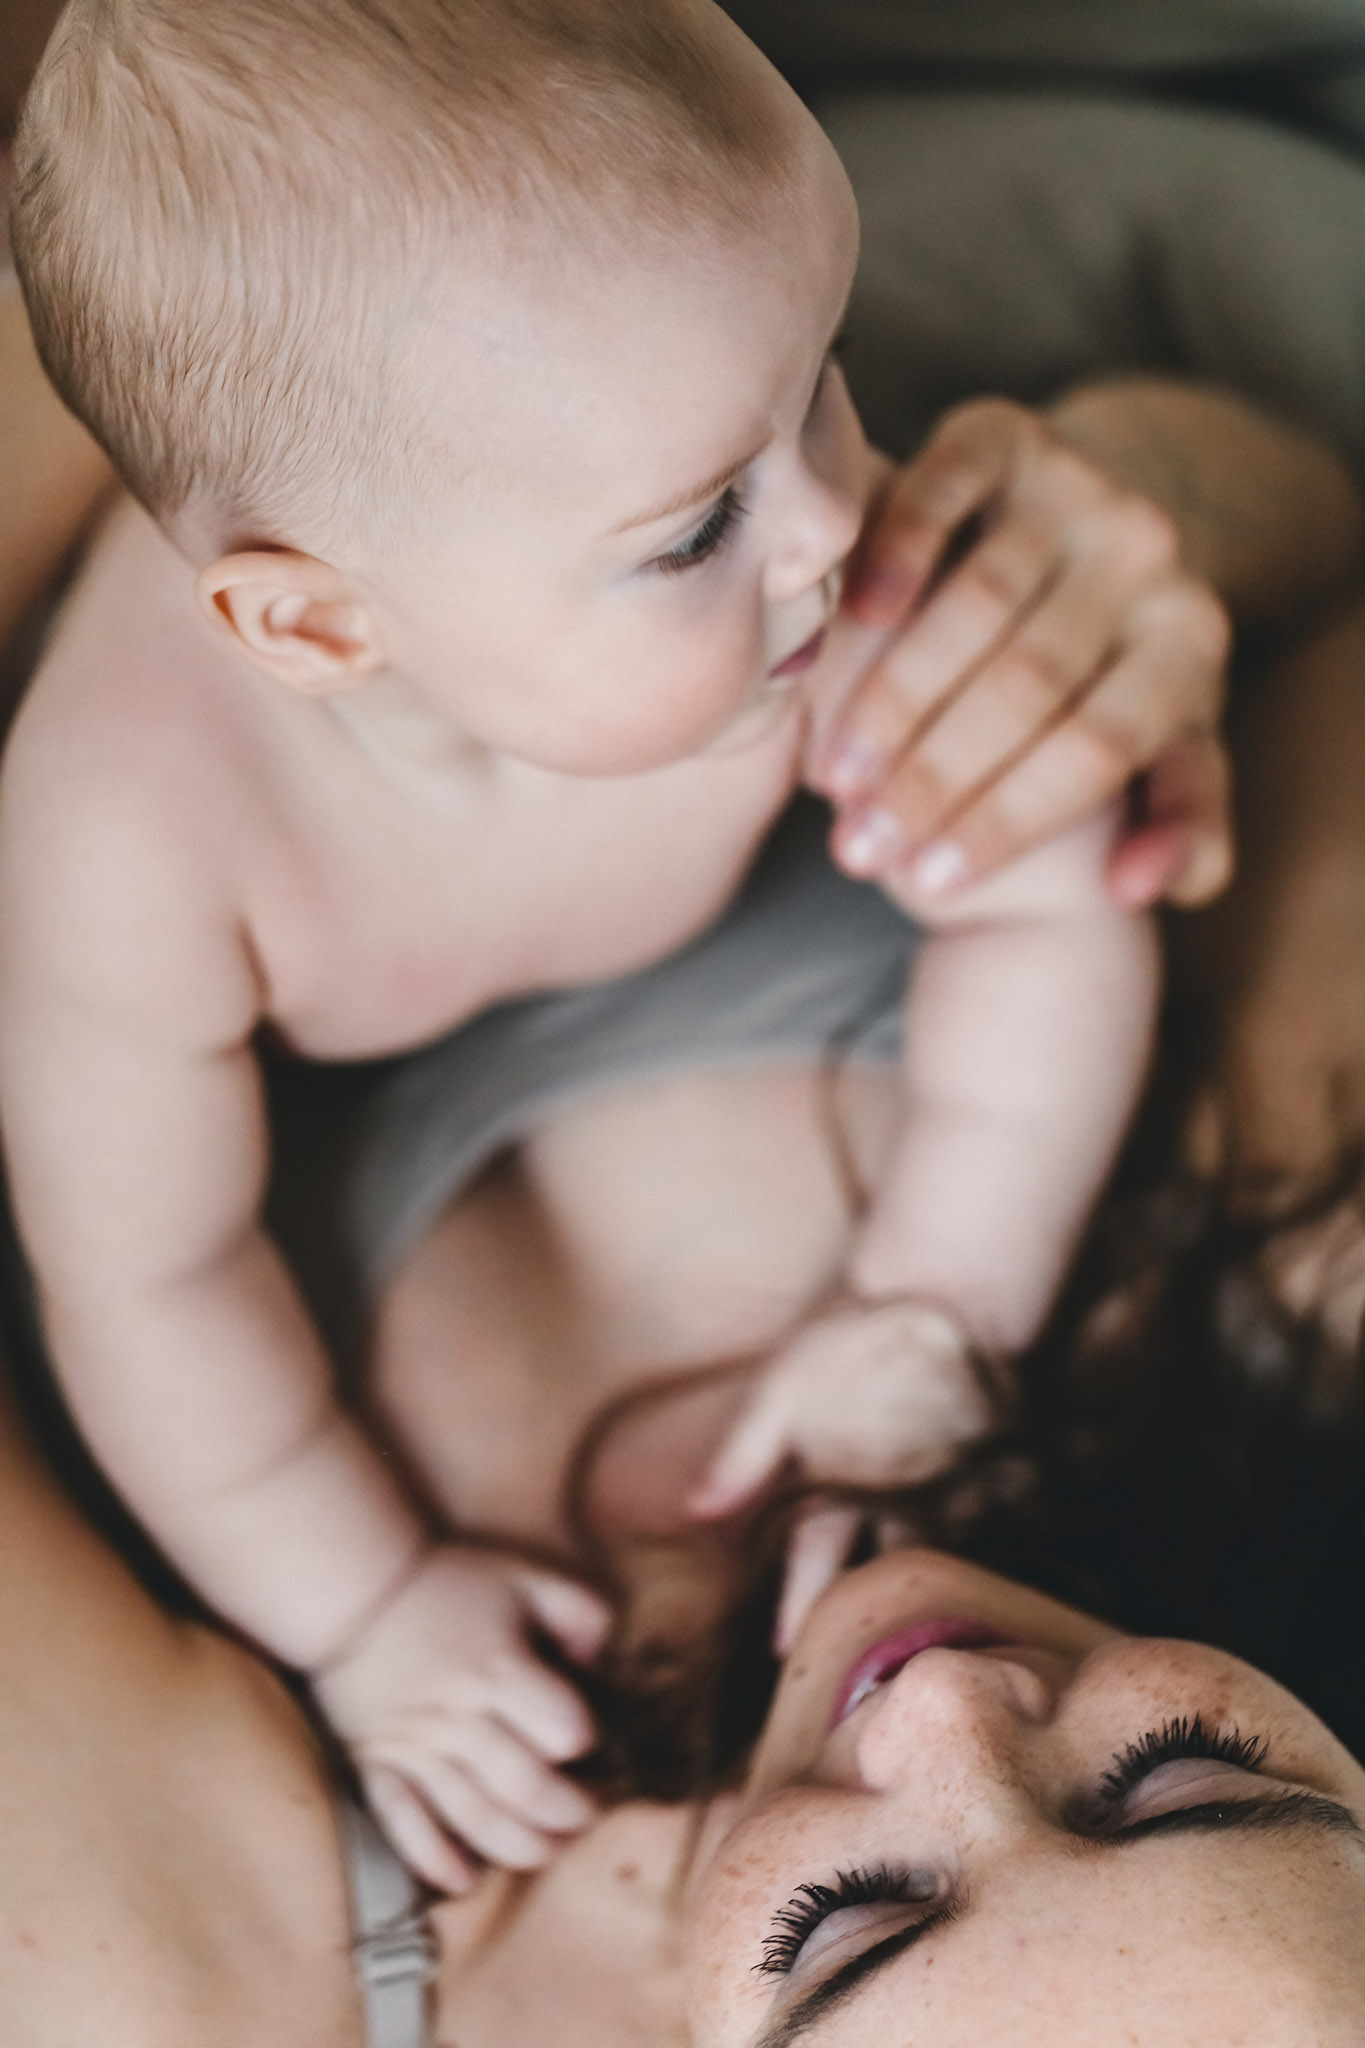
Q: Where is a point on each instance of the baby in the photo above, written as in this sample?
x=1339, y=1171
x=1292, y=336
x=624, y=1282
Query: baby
x=474, y=360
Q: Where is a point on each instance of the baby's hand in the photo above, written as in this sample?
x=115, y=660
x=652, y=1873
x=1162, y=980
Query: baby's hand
x=871, y=1394
x=1041, y=645
x=454, y=1723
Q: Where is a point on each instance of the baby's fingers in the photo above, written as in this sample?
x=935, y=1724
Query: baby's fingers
x=460, y=1804
x=543, y=1709
x=753, y=1453
x=578, y=1619
x=821, y=1545
x=510, y=1773
x=424, y=1846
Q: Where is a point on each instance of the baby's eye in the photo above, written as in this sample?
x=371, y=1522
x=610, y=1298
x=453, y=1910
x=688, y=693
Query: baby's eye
x=707, y=539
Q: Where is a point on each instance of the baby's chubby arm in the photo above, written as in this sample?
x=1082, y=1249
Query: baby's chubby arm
x=137, y=1139
x=1029, y=1022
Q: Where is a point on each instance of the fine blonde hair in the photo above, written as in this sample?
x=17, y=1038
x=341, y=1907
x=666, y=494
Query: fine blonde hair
x=225, y=209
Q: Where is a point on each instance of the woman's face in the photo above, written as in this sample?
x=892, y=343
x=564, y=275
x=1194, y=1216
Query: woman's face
x=979, y=1817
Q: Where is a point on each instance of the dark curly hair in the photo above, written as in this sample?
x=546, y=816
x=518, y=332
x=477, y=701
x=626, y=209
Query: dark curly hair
x=1187, y=1459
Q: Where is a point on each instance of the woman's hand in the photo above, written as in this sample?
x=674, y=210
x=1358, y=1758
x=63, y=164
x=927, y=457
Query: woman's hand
x=1043, y=644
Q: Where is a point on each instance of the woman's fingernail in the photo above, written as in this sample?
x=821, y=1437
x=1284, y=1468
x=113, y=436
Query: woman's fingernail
x=852, y=766
x=878, y=597
x=870, y=844
x=939, y=867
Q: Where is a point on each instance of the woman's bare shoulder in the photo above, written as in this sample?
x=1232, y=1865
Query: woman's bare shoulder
x=171, y=1863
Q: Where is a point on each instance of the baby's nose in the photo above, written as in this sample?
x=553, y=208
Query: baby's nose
x=820, y=536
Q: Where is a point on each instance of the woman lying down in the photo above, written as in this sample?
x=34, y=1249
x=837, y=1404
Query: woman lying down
x=972, y=1810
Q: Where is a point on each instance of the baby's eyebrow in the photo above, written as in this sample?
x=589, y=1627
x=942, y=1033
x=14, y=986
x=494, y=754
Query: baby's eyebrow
x=685, y=500
x=1266, y=1814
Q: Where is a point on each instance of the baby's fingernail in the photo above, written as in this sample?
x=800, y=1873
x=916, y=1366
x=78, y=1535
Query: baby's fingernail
x=851, y=766
x=939, y=867
x=565, y=1810
x=871, y=844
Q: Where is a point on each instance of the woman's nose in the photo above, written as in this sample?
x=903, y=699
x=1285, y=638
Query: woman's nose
x=948, y=1711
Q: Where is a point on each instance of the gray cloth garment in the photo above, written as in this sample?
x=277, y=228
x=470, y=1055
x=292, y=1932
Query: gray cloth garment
x=1301, y=61
x=393, y=1948
x=1023, y=243
x=1090, y=35
x=806, y=965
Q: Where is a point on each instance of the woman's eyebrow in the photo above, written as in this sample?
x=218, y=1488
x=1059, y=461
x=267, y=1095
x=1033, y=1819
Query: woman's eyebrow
x=1277, y=1810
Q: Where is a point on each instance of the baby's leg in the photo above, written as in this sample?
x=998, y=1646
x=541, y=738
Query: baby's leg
x=1029, y=1023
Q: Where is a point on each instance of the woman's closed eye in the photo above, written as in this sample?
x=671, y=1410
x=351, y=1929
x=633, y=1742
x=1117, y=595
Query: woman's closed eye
x=835, y=1923
x=1174, y=1766
x=709, y=538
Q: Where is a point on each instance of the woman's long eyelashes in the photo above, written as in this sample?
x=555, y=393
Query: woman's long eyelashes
x=707, y=539
x=812, y=1904
x=1174, y=1742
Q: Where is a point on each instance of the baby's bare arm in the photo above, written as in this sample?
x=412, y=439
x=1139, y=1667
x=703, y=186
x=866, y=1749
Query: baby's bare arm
x=1027, y=1033
x=1029, y=1022
x=137, y=1142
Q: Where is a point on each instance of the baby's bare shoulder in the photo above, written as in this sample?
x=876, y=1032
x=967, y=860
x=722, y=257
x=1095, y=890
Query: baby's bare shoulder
x=124, y=790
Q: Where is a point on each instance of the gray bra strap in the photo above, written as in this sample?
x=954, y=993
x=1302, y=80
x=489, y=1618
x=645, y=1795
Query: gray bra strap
x=393, y=1946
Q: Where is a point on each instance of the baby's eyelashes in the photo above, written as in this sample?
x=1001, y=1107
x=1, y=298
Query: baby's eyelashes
x=709, y=538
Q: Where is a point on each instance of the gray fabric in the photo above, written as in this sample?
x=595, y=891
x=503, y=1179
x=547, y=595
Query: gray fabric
x=1106, y=35
x=393, y=1948
x=1021, y=243
x=806, y=965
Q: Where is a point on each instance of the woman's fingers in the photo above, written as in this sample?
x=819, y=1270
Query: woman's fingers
x=933, y=658
x=1182, y=849
x=1042, y=513
x=1063, y=651
x=1001, y=784
x=960, y=469
x=820, y=1546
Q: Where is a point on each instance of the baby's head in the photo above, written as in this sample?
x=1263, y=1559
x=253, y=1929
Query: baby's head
x=478, y=343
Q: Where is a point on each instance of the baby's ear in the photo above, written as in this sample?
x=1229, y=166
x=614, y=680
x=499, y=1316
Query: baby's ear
x=294, y=617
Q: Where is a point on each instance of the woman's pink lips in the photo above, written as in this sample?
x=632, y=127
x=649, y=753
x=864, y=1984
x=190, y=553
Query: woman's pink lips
x=805, y=654
x=893, y=1653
